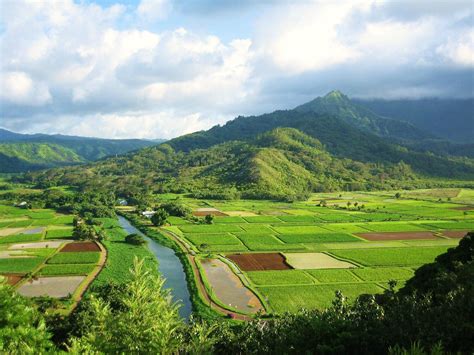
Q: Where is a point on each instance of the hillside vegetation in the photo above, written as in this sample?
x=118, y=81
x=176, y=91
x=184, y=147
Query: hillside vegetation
x=18, y=157
x=24, y=152
x=283, y=163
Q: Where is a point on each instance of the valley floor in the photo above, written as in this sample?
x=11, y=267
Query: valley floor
x=297, y=255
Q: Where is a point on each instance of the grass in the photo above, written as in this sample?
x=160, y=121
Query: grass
x=120, y=255
x=384, y=274
x=346, y=227
x=223, y=239
x=301, y=219
x=317, y=238
x=59, y=233
x=281, y=277
x=299, y=229
x=21, y=238
x=229, y=219
x=256, y=228
x=209, y=228
x=75, y=258
x=262, y=219
x=333, y=275
x=19, y=265
x=393, y=227
x=293, y=298
x=66, y=269
x=391, y=256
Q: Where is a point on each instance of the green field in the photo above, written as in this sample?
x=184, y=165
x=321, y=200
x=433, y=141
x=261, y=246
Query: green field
x=391, y=256
x=75, y=258
x=292, y=298
x=39, y=225
x=308, y=227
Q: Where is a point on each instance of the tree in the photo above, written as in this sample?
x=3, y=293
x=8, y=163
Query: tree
x=398, y=195
x=22, y=328
x=160, y=217
x=209, y=219
x=135, y=239
x=83, y=231
x=147, y=321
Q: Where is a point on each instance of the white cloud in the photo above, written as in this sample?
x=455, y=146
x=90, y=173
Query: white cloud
x=459, y=50
x=19, y=88
x=75, y=67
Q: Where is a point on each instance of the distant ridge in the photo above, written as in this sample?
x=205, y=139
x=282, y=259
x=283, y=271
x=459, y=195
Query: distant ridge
x=27, y=152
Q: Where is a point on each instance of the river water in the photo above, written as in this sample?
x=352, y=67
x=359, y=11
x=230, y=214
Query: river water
x=170, y=268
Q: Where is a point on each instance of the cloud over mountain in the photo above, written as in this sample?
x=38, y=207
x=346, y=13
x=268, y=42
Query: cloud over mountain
x=163, y=68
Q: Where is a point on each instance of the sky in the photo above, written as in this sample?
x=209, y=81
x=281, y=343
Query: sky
x=163, y=68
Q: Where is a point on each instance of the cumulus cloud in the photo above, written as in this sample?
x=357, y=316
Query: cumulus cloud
x=117, y=71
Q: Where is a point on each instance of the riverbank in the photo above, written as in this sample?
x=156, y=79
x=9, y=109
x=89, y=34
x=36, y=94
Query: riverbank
x=169, y=267
x=198, y=296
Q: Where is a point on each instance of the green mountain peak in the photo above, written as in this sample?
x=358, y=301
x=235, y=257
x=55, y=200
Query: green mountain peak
x=335, y=95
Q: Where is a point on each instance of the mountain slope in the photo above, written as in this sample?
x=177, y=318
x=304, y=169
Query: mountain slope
x=18, y=157
x=86, y=149
x=451, y=119
x=283, y=163
x=337, y=104
x=284, y=155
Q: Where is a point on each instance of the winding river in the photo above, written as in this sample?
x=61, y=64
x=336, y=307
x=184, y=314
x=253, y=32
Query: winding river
x=170, y=268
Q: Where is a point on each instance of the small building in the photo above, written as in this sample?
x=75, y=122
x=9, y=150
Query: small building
x=22, y=204
x=148, y=214
x=123, y=202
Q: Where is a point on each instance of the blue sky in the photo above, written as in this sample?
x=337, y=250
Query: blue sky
x=162, y=68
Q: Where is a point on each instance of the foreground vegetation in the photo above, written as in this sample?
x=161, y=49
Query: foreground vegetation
x=433, y=310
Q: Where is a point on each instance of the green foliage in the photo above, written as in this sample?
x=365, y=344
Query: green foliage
x=27, y=153
x=22, y=329
x=148, y=321
x=176, y=209
x=160, y=217
x=135, y=239
x=120, y=255
x=209, y=219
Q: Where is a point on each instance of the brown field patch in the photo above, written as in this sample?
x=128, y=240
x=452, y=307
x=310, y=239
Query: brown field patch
x=57, y=287
x=241, y=213
x=12, y=279
x=396, y=235
x=80, y=246
x=8, y=231
x=205, y=213
x=455, y=234
x=260, y=261
x=463, y=208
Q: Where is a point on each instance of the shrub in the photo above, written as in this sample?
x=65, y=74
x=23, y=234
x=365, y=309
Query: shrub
x=135, y=239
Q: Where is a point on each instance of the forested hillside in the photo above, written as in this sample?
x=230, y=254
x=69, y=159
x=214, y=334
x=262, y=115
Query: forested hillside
x=283, y=163
x=19, y=157
x=25, y=152
x=337, y=104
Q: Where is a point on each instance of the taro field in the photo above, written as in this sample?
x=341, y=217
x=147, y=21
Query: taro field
x=39, y=257
x=297, y=255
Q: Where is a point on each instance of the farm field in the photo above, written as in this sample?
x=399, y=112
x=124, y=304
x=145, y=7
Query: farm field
x=39, y=257
x=299, y=254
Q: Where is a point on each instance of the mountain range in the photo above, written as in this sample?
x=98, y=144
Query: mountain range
x=27, y=152
x=330, y=143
